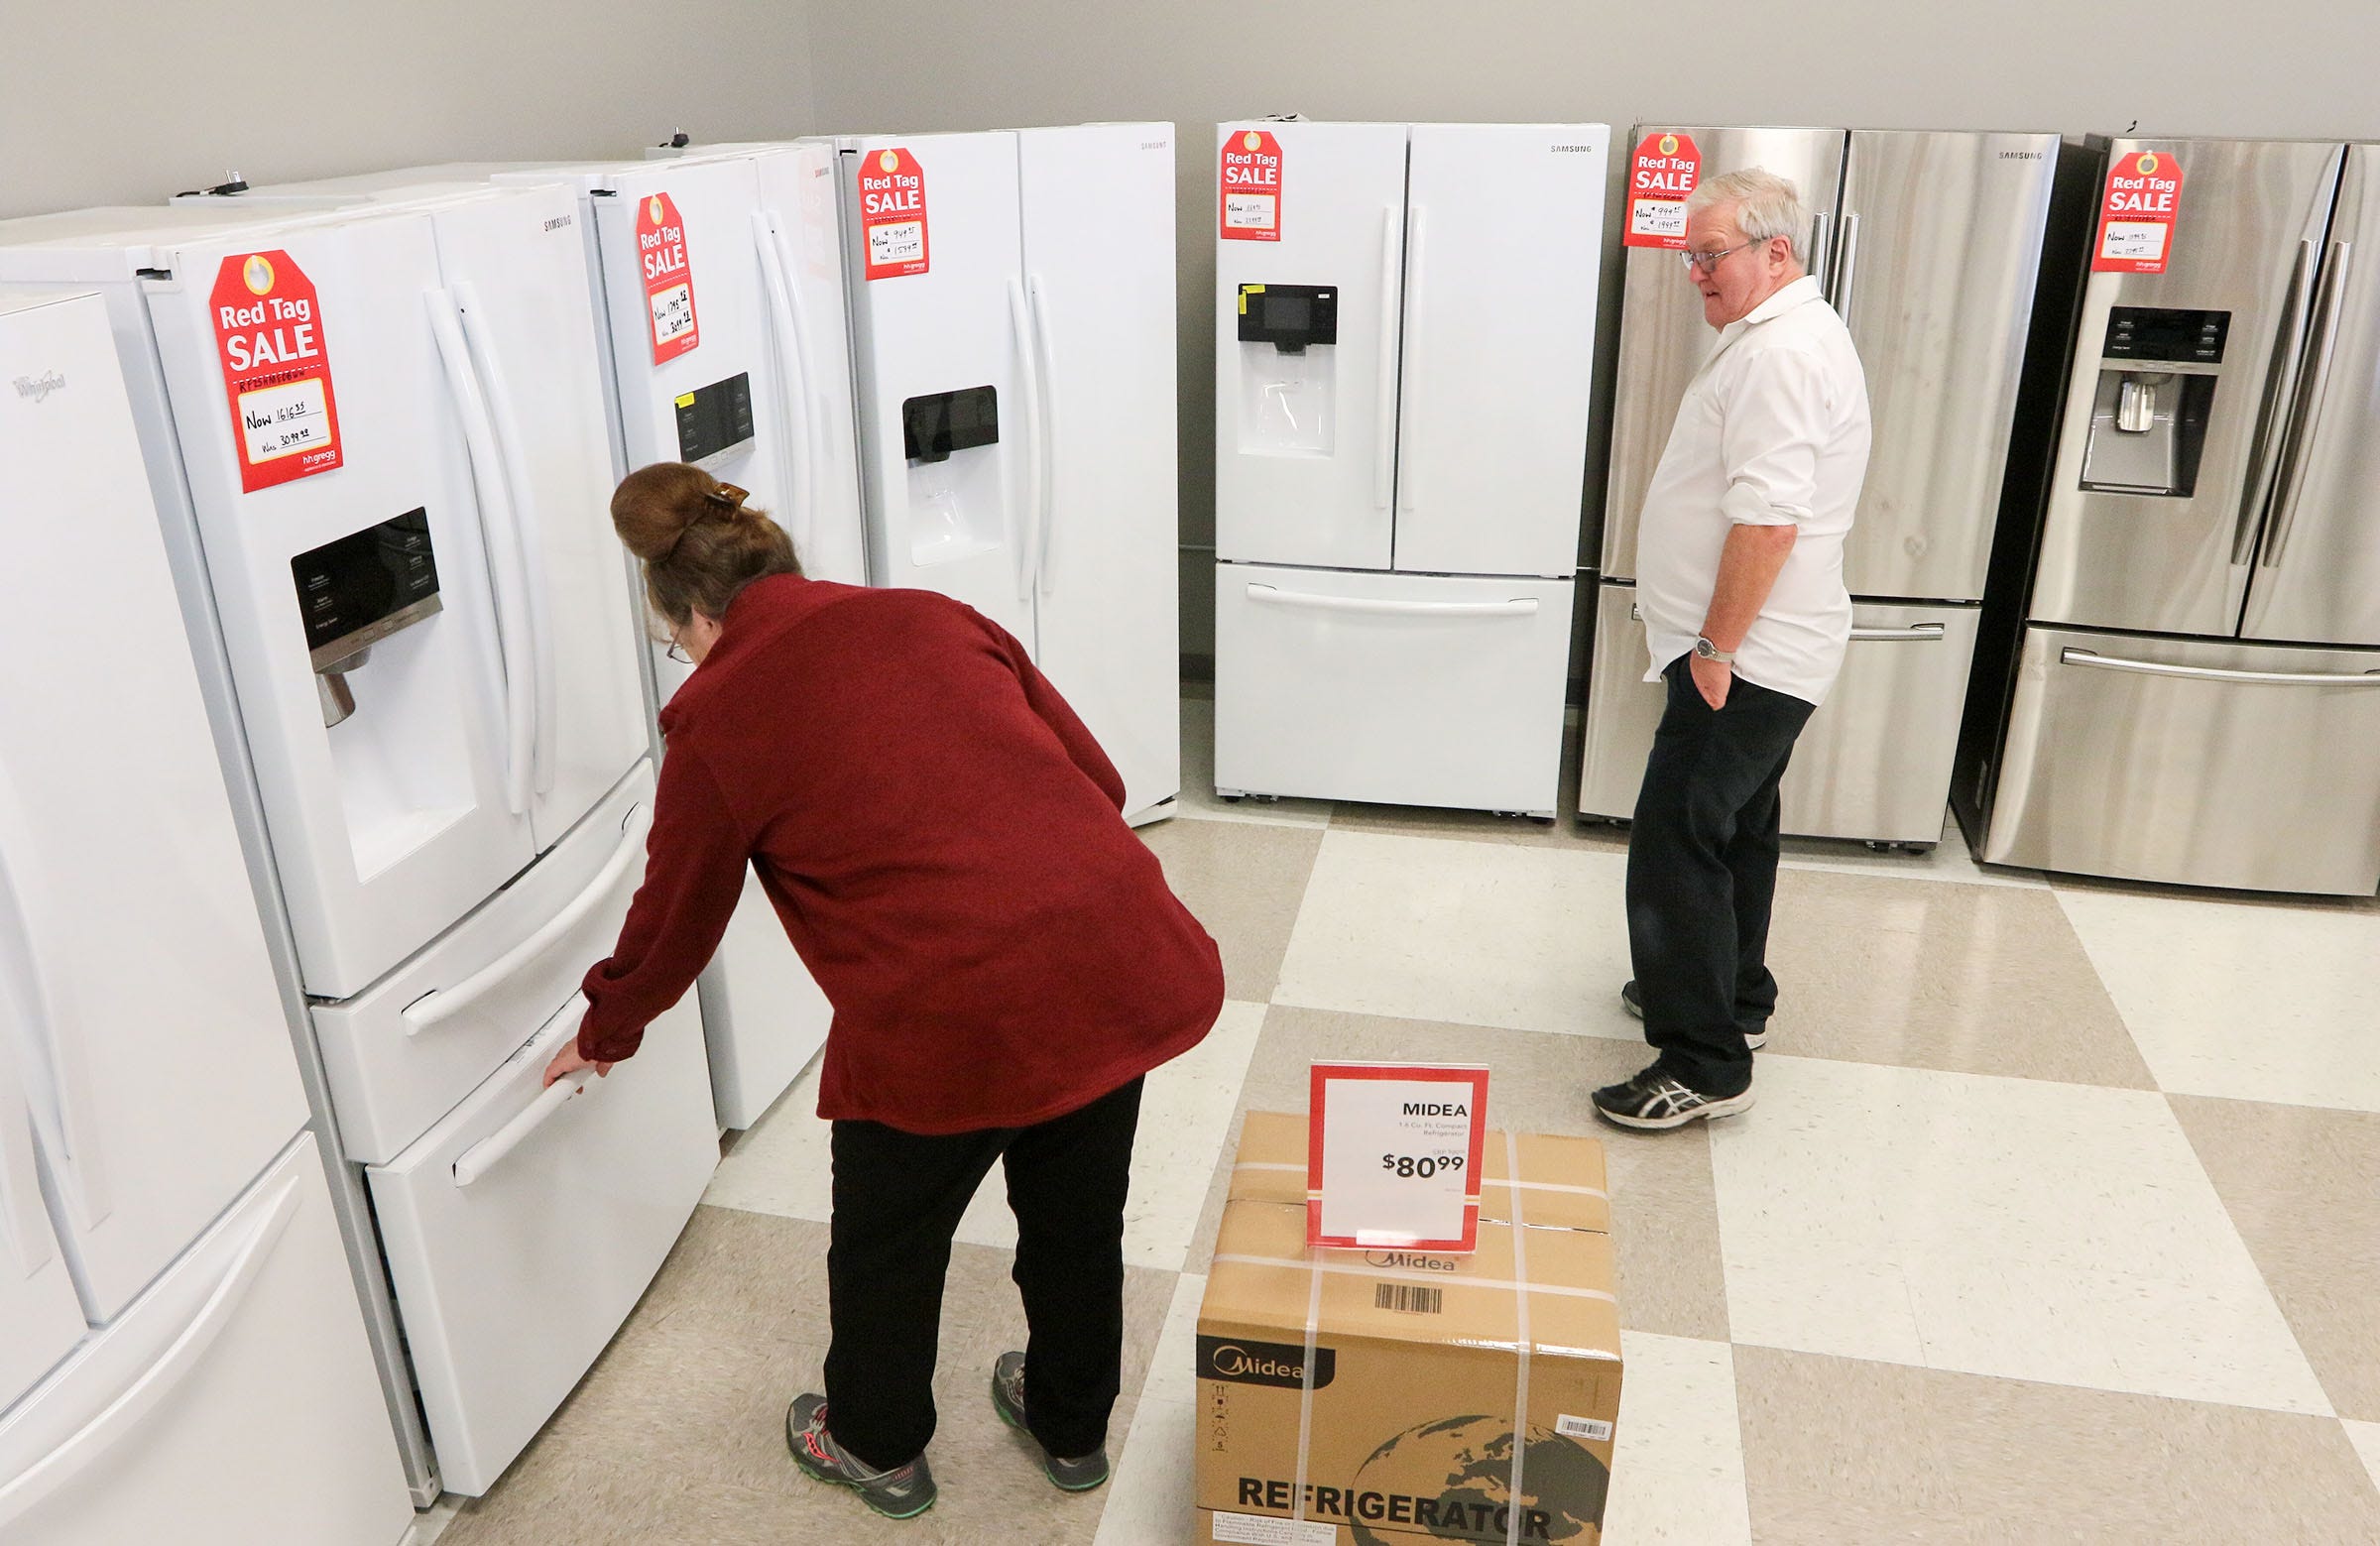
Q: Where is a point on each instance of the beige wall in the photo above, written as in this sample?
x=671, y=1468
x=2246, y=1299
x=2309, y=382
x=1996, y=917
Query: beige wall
x=120, y=103
x=2192, y=67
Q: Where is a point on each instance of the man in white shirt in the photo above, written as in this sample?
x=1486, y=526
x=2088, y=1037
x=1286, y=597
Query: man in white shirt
x=1740, y=575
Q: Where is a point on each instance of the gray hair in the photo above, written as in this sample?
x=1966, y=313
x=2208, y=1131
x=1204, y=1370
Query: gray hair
x=1766, y=205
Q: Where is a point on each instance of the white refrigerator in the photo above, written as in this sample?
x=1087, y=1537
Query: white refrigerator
x=376, y=441
x=1404, y=344
x=744, y=370
x=1012, y=318
x=177, y=1318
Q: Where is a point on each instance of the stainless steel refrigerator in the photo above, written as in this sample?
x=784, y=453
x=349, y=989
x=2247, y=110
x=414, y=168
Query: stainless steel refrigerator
x=1929, y=245
x=2195, y=695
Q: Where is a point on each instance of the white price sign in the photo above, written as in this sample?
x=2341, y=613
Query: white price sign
x=1392, y=1155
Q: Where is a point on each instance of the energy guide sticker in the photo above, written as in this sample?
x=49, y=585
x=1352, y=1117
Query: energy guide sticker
x=1249, y=190
x=276, y=362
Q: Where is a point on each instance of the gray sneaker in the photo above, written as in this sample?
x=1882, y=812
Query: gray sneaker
x=1633, y=1003
x=904, y=1492
x=1007, y=1399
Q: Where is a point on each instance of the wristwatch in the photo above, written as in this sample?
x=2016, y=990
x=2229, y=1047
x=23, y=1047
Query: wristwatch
x=1704, y=648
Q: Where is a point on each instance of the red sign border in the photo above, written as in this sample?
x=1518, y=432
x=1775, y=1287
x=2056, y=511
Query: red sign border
x=1269, y=142
x=1627, y=224
x=926, y=227
x=2099, y=262
x=663, y=353
x=256, y=477
x=1319, y=1078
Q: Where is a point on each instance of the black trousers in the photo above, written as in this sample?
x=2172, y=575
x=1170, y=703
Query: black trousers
x=1702, y=876
x=899, y=1197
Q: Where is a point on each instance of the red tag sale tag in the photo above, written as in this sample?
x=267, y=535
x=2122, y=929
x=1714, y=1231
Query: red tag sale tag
x=668, y=279
x=892, y=213
x=275, y=365
x=1249, y=193
x=2137, y=211
x=1664, y=169
x=1392, y=1155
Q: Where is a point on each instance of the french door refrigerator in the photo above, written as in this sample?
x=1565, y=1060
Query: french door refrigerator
x=182, y=1354
x=1405, y=344
x=1930, y=245
x=1012, y=312
x=732, y=352
x=2195, y=695
x=377, y=445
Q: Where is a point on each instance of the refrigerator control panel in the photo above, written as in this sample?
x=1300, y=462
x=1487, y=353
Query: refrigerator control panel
x=1290, y=317
x=933, y=426
x=2162, y=333
x=714, y=419
x=365, y=586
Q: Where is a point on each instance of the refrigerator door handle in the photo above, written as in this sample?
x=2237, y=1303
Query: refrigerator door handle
x=776, y=280
x=43, y=1011
x=1413, y=238
x=25, y=1232
x=1028, y=556
x=1846, y=266
x=444, y=1003
x=504, y=555
x=1914, y=634
x=1045, y=341
x=1821, y=250
x=528, y=531
x=1383, y=453
x=2306, y=418
x=161, y=1376
x=2272, y=417
x=1274, y=596
x=491, y=1152
x=2071, y=656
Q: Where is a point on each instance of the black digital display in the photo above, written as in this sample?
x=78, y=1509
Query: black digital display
x=2163, y=333
x=933, y=426
x=366, y=585
x=714, y=418
x=1290, y=317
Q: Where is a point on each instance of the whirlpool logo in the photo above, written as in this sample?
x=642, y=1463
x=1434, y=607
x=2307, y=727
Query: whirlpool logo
x=40, y=387
x=1280, y=1363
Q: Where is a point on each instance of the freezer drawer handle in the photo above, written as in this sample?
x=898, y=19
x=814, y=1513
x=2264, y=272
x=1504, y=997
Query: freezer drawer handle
x=1914, y=634
x=444, y=1003
x=2110, y=662
x=1272, y=596
x=159, y=1377
x=490, y=1151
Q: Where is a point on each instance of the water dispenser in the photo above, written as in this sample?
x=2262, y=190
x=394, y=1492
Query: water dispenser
x=1289, y=366
x=354, y=592
x=956, y=499
x=2148, y=416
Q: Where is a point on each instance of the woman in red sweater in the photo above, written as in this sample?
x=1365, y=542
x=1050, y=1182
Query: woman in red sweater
x=941, y=838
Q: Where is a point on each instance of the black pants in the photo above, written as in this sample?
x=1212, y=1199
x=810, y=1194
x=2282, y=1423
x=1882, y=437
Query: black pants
x=1703, y=875
x=899, y=1197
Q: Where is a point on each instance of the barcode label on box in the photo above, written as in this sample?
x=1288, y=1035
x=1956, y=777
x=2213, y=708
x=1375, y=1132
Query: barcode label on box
x=1257, y=1530
x=1593, y=1429
x=1408, y=1297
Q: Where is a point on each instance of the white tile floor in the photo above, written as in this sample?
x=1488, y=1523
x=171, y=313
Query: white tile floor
x=2058, y=1216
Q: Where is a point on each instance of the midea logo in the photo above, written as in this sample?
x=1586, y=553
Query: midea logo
x=40, y=387
x=1282, y=1364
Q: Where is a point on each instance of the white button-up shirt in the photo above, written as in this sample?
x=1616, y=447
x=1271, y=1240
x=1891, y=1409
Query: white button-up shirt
x=1773, y=431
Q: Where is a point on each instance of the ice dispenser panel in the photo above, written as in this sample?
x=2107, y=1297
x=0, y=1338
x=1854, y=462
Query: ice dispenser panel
x=957, y=496
x=1287, y=387
x=356, y=591
x=2148, y=415
x=715, y=419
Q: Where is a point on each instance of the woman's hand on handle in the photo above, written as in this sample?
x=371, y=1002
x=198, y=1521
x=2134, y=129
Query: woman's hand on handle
x=567, y=1062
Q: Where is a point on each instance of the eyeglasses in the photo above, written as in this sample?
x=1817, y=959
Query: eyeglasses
x=677, y=651
x=1708, y=261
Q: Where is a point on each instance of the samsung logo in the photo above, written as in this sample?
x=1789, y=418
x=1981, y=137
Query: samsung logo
x=40, y=387
x=1154, y=145
x=559, y=223
x=2024, y=154
x=1578, y=149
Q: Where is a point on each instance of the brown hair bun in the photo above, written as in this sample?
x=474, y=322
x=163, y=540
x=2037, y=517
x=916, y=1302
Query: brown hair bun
x=700, y=544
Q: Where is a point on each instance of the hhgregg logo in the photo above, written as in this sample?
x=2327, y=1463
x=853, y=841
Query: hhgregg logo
x=1278, y=1364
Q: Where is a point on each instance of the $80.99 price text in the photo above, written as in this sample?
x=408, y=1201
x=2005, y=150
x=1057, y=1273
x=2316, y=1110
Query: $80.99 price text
x=1419, y=1167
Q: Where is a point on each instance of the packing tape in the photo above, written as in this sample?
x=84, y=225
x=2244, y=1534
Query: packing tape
x=1523, y=1186
x=1240, y=1258
x=1305, y=1395
x=1513, y=1512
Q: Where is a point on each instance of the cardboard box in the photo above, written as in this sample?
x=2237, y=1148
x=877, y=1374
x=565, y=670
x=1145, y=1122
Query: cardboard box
x=1404, y=1390
x=1563, y=1182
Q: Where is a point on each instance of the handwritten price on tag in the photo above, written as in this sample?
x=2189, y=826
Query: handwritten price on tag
x=1419, y=1168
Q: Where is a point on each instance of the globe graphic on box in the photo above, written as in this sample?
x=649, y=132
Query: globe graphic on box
x=1466, y=1461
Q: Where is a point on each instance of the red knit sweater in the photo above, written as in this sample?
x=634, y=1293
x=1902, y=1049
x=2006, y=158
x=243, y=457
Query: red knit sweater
x=940, y=836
